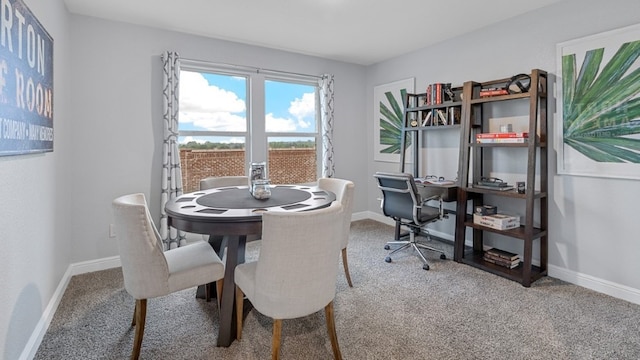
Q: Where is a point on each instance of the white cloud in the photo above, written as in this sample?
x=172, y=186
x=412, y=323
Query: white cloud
x=208, y=106
x=274, y=124
x=304, y=109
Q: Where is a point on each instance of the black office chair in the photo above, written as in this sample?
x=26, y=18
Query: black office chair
x=402, y=202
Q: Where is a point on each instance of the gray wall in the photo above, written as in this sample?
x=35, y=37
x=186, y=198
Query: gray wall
x=591, y=238
x=35, y=208
x=117, y=104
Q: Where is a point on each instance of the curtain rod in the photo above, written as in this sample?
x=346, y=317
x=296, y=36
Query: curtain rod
x=250, y=68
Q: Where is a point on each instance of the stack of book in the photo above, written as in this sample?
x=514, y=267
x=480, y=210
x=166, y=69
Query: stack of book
x=502, y=137
x=492, y=184
x=502, y=258
x=497, y=221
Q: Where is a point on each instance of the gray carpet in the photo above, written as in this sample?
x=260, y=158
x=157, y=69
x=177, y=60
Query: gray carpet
x=394, y=311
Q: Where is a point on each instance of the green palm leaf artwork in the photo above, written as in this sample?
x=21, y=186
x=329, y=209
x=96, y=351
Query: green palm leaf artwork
x=601, y=104
x=391, y=122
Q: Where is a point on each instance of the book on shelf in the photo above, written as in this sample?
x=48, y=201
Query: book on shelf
x=491, y=187
x=442, y=119
x=439, y=93
x=507, y=255
x=497, y=221
x=521, y=140
x=427, y=119
x=501, y=262
x=493, y=92
x=500, y=135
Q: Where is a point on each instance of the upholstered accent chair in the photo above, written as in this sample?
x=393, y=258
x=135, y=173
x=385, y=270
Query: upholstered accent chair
x=344, y=190
x=149, y=271
x=296, y=272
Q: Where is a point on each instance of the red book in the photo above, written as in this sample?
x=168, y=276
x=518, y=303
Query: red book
x=493, y=92
x=502, y=135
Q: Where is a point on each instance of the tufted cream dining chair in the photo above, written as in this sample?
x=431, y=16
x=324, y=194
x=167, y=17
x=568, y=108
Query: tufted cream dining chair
x=344, y=190
x=149, y=271
x=222, y=181
x=295, y=274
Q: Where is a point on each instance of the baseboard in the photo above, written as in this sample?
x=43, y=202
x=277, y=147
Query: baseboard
x=596, y=284
x=95, y=265
x=37, y=335
x=586, y=281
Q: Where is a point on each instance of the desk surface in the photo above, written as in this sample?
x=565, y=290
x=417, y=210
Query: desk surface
x=449, y=192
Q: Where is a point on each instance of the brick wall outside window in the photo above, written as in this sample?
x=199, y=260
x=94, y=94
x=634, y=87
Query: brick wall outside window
x=286, y=166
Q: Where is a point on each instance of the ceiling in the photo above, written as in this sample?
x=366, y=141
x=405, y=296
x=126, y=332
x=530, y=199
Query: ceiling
x=355, y=31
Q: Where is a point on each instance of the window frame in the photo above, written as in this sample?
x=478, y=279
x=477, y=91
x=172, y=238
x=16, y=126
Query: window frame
x=256, y=137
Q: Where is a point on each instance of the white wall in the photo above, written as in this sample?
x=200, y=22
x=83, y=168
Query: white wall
x=591, y=238
x=35, y=207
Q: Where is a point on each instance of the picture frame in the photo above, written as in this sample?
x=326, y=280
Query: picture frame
x=598, y=105
x=26, y=86
x=388, y=113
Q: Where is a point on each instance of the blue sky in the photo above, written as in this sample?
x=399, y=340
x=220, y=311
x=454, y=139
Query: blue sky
x=218, y=103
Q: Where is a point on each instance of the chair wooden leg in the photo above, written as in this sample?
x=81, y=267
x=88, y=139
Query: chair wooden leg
x=275, y=341
x=207, y=292
x=346, y=266
x=135, y=311
x=219, y=284
x=331, y=329
x=239, y=310
x=140, y=316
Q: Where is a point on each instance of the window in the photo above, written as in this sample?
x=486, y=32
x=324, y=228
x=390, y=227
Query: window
x=229, y=119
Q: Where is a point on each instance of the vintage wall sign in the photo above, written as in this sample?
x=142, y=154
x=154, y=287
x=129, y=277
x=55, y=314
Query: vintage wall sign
x=26, y=81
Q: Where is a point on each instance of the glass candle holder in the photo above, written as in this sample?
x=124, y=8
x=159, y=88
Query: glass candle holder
x=261, y=189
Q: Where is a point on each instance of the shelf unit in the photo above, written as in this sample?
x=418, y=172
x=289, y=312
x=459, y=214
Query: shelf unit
x=473, y=165
x=420, y=117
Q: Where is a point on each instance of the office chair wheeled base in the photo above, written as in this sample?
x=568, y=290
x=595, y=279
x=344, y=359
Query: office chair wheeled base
x=416, y=245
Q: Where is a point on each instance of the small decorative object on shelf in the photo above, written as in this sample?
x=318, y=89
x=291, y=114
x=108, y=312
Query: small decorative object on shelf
x=486, y=209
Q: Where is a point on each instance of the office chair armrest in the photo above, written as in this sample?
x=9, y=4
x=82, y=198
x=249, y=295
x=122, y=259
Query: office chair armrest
x=437, y=197
x=432, y=197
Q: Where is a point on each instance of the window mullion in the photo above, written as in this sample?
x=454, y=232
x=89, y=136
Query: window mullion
x=257, y=135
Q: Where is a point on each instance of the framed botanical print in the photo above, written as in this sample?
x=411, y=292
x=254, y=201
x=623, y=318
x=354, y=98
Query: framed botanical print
x=598, y=124
x=388, y=112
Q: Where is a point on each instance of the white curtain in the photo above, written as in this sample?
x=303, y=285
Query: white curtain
x=171, y=174
x=326, y=113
